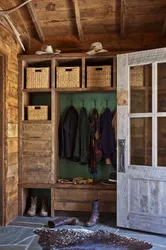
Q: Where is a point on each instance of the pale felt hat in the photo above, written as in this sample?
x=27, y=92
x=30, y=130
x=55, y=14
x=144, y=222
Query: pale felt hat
x=47, y=49
x=96, y=47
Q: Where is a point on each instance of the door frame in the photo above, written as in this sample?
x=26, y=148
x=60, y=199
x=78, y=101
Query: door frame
x=3, y=140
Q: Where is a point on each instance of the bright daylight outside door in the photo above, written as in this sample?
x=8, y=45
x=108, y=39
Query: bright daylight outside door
x=141, y=114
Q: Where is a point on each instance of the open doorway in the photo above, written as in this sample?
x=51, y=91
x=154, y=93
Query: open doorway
x=1, y=139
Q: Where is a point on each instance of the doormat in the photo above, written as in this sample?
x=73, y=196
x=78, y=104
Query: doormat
x=81, y=239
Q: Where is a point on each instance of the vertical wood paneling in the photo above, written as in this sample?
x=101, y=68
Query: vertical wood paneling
x=10, y=49
x=154, y=189
x=162, y=198
x=1, y=140
x=143, y=196
x=134, y=195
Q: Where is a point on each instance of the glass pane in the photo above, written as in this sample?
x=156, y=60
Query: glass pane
x=162, y=141
x=161, y=87
x=141, y=141
x=141, y=89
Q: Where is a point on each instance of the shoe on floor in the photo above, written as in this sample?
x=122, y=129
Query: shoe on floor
x=44, y=209
x=32, y=210
x=113, y=177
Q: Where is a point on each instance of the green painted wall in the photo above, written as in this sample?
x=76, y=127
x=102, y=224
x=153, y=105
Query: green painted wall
x=70, y=169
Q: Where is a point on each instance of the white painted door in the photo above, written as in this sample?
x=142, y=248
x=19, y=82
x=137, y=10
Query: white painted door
x=141, y=114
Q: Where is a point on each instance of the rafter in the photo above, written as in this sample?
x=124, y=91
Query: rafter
x=78, y=20
x=164, y=27
x=13, y=2
x=122, y=19
x=36, y=22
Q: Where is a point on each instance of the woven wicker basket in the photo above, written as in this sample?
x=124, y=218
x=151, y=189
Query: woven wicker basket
x=68, y=77
x=37, y=112
x=137, y=76
x=99, y=76
x=37, y=78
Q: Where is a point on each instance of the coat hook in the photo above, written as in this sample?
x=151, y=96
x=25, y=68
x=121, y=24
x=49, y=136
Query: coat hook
x=83, y=102
x=106, y=102
x=94, y=103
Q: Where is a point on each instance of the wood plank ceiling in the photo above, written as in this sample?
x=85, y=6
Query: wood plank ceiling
x=72, y=25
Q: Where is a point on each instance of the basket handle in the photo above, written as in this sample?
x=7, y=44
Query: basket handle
x=68, y=69
x=38, y=70
x=37, y=107
x=98, y=68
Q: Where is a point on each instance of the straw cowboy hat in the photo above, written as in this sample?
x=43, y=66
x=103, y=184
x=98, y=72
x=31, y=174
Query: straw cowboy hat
x=47, y=49
x=96, y=47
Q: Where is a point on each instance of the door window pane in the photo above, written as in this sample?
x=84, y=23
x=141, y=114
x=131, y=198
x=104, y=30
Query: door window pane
x=161, y=87
x=141, y=89
x=162, y=141
x=141, y=141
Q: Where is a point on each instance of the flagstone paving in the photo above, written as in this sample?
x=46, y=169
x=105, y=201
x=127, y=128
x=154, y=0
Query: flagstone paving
x=19, y=235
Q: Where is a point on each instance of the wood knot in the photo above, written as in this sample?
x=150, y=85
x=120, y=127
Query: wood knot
x=50, y=6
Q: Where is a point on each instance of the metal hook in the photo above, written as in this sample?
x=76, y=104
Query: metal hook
x=106, y=102
x=94, y=102
x=83, y=102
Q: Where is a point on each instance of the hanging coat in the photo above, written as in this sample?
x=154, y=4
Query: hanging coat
x=114, y=125
x=67, y=133
x=82, y=138
x=95, y=149
x=108, y=137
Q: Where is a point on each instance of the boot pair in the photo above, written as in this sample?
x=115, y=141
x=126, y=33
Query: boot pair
x=33, y=207
x=94, y=219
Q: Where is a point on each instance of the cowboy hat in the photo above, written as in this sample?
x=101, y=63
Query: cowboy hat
x=96, y=47
x=47, y=49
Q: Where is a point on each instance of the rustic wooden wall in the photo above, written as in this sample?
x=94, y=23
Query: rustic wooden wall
x=10, y=49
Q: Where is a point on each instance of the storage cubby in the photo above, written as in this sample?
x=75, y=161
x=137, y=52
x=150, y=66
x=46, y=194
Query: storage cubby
x=68, y=73
x=100, y=70
x=36, y=99
x=37, y=74
x=40, y=193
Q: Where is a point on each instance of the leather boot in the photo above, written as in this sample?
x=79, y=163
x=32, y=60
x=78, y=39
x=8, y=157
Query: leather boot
x=44, y=209
x=32, y=210
x=94, y=219
x=64, y=221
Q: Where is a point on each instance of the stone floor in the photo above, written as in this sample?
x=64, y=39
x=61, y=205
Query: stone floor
x=18, y=235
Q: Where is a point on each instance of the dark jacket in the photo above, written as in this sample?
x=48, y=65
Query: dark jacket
x=108, y=137
x=67, y=133
x=82, y=138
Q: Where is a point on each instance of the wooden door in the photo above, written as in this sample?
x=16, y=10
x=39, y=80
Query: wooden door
x=141, y=114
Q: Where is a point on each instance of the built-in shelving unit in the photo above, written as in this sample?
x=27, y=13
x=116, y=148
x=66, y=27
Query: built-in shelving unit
x=38, y=139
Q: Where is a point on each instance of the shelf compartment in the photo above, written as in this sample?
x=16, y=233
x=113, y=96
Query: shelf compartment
x=36, y=99
x=97, y=63
x=36, y=72
x=25, y=195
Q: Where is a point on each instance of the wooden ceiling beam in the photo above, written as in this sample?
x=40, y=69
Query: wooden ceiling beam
x=36, y=22
x=122, y=19
x=78, y=20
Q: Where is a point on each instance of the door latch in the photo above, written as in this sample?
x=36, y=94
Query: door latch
x=121, y=143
